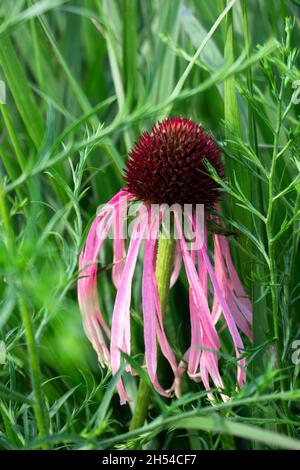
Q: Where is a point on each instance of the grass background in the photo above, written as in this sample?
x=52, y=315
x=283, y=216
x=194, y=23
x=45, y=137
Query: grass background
x=83, y=79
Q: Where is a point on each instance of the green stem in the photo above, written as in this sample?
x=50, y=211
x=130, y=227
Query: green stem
x=5, y=220
x=271, y=250
x=141, y=407
x=34, y=370
x=164, y=267
x=260, y=320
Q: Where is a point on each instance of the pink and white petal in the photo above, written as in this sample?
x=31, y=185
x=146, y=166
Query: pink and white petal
x=177, y=265
x=149, y=316
x=119, y=241
x=210, y=358
x=216, y=310
x=220, y=272
x=228, y=293
x=195, y=348
x=120, y=331
x=237, y=340
x=93, y=320
x=161, y=335
x=231, y=285
x=222, y=246
x=122, y=392
x=95, y=336
x=239, y=319
x=199, y=295
x=202, y=272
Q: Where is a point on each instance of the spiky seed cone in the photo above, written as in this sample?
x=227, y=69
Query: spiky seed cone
x=168, y=165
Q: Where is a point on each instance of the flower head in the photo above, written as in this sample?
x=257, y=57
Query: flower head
x=166, y=167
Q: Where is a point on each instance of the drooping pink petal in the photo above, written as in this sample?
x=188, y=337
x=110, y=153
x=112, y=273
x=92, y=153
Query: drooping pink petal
x=149, y=308
x=209, y=368
x=194, y=352
x=239, y=306
x=239, y=319
x=202, y=354
x=177, y=265
x=221, y=276
x=195, y=348
x=153, y=321
x=237, y=340
x=199, y=294
x=119, y=241
x=93, y=321
x=236, y=286
x=122, y=392
x=120, y=331
x=201, y=234
x=224, y=266
x=209, y=363
x=162, y=338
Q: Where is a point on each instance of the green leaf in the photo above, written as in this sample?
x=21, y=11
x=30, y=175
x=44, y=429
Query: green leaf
x=19, y=86
x=7, y=394
x=217, y=424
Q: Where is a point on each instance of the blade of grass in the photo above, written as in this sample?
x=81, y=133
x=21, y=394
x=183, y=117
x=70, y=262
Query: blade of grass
x=217, y=424
x=232, y=118
x=129, y=10
x=19, y=87
x=260, y=320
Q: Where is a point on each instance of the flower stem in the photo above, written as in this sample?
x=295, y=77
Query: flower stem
x=34, y=370
x=164, y=267
x=141, y=406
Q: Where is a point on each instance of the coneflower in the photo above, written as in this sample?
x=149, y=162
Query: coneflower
x=166, y=167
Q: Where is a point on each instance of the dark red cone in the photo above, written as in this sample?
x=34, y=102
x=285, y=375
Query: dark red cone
x=168, y=165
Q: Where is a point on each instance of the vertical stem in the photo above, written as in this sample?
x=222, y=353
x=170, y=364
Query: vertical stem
x=8, y=230
x=260, y=319
x=34, y=369
x=271, y=249
x=271, y=253
x=269, y=230
x=35, y=372
x=141, y=406
x=164, y=266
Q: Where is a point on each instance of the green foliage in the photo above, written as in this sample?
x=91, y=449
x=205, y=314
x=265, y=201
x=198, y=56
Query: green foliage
x=83, y=79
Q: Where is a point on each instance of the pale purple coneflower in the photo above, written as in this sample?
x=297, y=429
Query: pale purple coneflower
x=166, y=167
